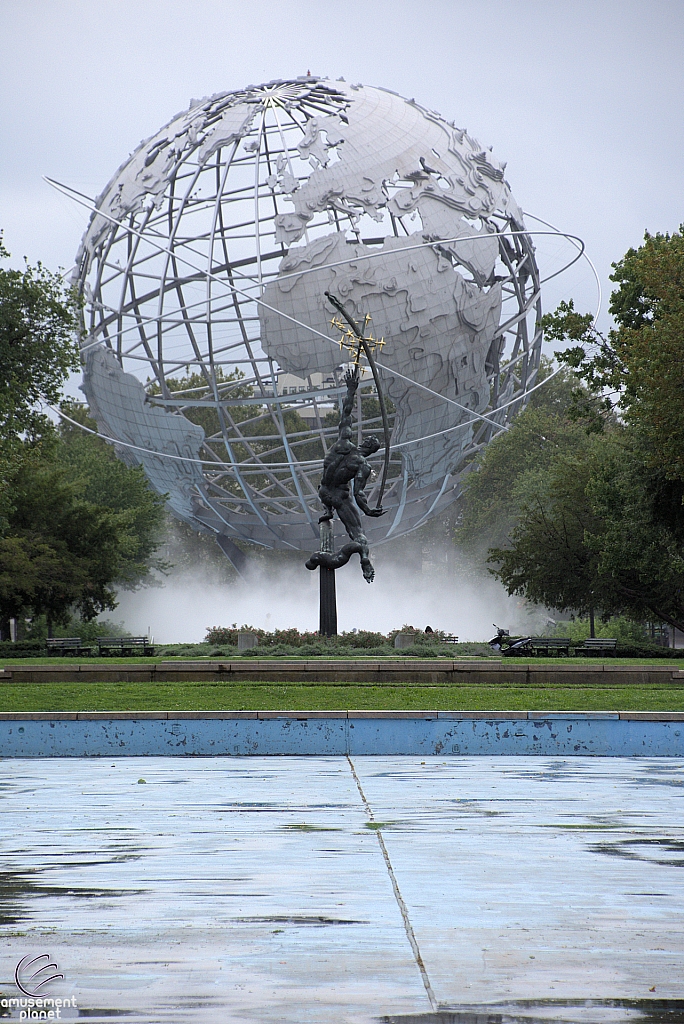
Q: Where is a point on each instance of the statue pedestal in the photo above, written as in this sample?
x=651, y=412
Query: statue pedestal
x=328, y=598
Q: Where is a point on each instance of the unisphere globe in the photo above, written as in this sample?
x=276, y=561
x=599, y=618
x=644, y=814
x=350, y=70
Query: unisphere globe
x=209, y=353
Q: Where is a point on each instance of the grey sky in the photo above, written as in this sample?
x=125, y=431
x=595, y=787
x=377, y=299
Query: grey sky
x=583, y=99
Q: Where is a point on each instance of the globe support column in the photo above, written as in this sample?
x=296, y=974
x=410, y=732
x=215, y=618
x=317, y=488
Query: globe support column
x=328, y=597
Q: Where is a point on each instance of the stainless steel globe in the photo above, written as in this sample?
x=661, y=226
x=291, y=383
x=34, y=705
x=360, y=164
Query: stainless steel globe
x=209, y=354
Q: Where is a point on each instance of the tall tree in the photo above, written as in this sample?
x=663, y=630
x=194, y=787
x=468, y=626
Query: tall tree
x=99, y=478
x=639, y=367
x=38, y=348
x=593, y=537
x=38, y=344
x=74, y=521
x=59, y=552
x=513, y=466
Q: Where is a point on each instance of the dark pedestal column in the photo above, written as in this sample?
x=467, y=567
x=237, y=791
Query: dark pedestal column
x=328, y=621
x=328, y=609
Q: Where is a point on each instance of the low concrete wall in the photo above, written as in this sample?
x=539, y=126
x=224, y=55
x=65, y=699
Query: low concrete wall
x=426, y=733
x=379, y=672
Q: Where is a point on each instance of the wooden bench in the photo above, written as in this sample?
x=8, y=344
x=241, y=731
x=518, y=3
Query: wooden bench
x=556, y=645
x=68, y=645
x=449, y=639
x=124, y=646
x=599, y=646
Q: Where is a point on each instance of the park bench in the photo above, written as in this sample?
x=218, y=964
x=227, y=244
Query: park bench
x=68, y=645
x=600, y=646
x=125, y=646
x=549, y=645
x=449, y=639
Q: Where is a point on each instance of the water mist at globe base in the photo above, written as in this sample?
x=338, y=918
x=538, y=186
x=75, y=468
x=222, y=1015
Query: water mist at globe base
x=422, y=579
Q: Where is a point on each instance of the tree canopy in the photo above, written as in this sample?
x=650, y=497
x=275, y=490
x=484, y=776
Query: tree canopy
x=639, y=367
x=595, y=519
x=59, y=552
x=38, y=345
x=513, y=466
x=74, y=521
x=591, y=536
x=92, y=468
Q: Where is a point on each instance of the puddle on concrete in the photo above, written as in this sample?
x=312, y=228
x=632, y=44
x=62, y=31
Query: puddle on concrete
x=298, y=919
x=16, y=888
x=104, y=1013
x=551, y=1011
x=311, y=828
x=645, y=849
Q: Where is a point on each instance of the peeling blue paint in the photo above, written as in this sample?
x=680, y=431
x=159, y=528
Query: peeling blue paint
x=353, y=733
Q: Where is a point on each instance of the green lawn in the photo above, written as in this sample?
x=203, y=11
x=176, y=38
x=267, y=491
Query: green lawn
x=217, y=696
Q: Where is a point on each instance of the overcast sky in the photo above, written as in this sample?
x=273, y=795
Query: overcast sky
x=583, y=99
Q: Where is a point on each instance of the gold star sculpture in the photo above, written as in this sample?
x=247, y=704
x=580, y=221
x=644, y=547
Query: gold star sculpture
x=349, y=340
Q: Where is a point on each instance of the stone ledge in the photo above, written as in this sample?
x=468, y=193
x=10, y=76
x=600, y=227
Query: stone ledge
x=652, y=716
x=422, y=715
x=488, y=716
x=300, y=716
x=535, y=716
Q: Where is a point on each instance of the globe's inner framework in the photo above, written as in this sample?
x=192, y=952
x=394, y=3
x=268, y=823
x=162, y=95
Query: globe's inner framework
x=275, y=194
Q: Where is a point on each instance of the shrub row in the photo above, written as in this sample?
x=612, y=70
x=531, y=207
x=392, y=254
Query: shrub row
x=227, y=636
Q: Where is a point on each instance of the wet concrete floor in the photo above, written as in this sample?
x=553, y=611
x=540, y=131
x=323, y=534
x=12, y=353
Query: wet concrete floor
x=284, y=889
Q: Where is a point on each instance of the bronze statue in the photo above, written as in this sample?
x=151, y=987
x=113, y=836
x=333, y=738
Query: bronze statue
x=344, y=463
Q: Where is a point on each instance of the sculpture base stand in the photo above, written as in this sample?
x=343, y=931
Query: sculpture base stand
x=328, y=615
x=328, y=605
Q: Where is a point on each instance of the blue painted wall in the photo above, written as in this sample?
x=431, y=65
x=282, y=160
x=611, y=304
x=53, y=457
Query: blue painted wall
x=569, y=735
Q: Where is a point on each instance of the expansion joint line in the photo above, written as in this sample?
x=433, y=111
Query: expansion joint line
x=408, y=927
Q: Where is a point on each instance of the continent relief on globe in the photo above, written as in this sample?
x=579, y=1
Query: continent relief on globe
x=439, y=328
x=438, y=331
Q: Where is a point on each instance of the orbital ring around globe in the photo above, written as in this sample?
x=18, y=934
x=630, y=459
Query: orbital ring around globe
x=203, y=272
x=575, y=239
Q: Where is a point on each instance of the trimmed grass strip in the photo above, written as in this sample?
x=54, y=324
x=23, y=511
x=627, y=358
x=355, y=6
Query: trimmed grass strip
x=219, y=696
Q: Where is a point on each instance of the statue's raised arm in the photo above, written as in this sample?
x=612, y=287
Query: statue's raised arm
x=351, y=379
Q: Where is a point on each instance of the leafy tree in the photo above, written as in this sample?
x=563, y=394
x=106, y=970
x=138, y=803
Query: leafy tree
x=639, y=367
x=59, y=552
x=74, y=521
x=38, y=346
x=592, y=536
x=548, y=560
x=641, y=542
x=65, y=551
x=91, y=466
x=604, y=527
x=514, y=465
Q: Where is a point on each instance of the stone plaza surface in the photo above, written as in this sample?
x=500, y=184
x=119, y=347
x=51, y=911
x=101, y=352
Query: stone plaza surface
x=284, y=889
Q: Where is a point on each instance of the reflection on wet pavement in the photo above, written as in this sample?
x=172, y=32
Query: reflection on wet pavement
x=265, y=890
x=549, y=1011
